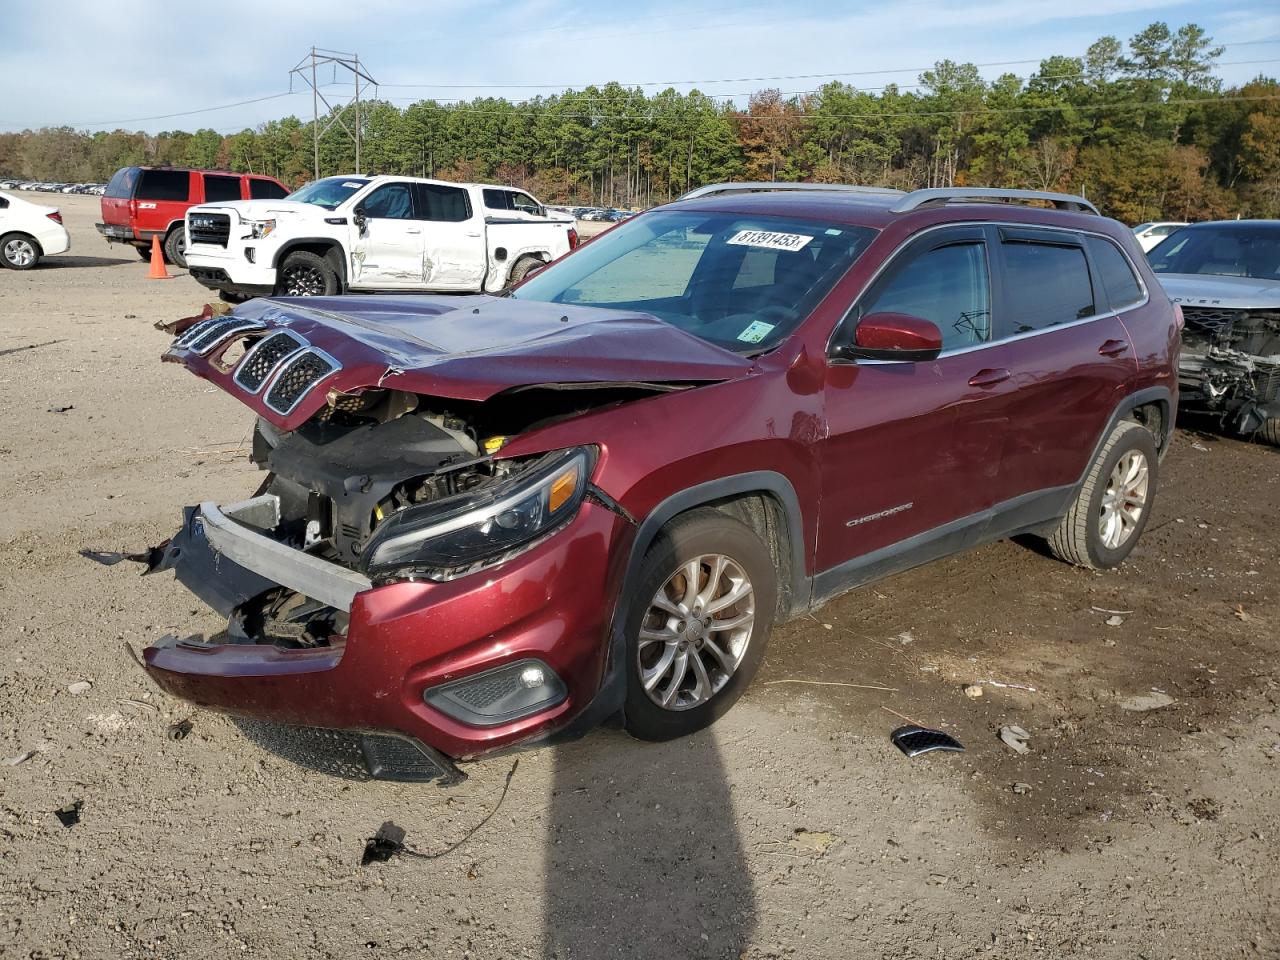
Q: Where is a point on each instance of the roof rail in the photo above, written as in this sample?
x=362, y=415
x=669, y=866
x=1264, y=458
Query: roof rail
x=942, y=195
x=748, y=187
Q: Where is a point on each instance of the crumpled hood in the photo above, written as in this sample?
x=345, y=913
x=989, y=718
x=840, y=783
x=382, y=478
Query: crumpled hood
x=264, y=209
x=467, y=348
x=1233, y=293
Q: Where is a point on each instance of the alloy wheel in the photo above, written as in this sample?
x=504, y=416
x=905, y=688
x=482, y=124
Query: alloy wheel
x=304, y=281
x=20, y=252
x=695, y=632
x=1124, y=499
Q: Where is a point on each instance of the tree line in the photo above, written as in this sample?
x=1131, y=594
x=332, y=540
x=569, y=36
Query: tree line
x=1144, y=129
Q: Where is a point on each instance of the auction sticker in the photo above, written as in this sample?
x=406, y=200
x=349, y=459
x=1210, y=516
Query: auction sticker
x=756, y=331
x=773, y=241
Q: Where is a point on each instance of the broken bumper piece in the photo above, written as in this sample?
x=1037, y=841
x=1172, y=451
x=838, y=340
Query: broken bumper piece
x=398, y=644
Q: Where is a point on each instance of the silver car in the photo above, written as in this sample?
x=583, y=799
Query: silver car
x=1226, y=278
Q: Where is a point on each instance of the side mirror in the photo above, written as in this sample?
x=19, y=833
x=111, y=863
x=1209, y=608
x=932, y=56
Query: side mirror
x=894, y=336
x=359, y=218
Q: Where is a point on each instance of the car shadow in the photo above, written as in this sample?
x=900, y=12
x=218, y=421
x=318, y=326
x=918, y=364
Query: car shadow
x=61, y=262
x=643, y=854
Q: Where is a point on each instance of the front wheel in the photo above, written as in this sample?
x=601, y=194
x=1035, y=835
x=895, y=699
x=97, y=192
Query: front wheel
x=696, y=634
x=305, y=274
x=175, y=247
x=1112, y=508
x=19, y=251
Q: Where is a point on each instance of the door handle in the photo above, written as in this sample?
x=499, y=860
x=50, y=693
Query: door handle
x=1113, y=348
x=989, y=377
x=413, y=230
x=476, y=234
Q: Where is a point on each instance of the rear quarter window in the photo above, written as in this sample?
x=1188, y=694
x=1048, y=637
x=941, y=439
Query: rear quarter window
x=1046, y=284
x=1118, y=281
x=164, y=185
x=266, y=190
x=443, y=204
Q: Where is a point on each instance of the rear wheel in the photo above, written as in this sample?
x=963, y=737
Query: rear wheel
x=696, y=634
x=18, y=251
x=521, y=269
x=175, y=247
x=304, y=274
x=1111, y=510
x=1270, y=431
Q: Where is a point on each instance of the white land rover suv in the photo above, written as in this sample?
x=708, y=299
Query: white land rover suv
x=374, y=233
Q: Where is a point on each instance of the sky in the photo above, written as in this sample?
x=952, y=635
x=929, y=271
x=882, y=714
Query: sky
x=150, y=66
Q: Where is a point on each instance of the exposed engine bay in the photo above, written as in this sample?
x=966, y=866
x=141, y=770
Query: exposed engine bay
x=1230, y=364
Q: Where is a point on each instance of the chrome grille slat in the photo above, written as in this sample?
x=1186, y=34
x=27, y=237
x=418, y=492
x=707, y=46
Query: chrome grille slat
x=297, y=377
x=264, y=357
x=219, y=331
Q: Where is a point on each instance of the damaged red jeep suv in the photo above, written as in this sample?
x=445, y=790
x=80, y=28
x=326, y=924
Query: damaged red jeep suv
x=488, y=521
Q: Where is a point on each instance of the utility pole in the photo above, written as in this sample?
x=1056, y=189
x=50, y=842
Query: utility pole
x=307, y=69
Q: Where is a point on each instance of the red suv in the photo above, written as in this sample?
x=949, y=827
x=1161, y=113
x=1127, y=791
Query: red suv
x=145, y=202
x=493, y=520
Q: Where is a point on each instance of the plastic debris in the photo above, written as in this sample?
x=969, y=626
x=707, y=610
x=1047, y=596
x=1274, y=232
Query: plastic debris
x=1015, y=738
x=1142, y=702
x=1114, y=620
x=383, y=845
x=79, y=687
x=179, y=730
x=1020, y=787
x=973, y=691
x=69, y=815
x=914, y=740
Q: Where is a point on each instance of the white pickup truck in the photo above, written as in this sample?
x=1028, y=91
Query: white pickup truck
x=374, y=233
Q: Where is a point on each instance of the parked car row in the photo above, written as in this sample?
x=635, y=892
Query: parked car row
x=39, y=186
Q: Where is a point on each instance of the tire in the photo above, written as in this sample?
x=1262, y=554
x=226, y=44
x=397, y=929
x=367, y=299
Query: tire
x=226, y=297
x=1269, y=432
x=175, y=246
x=303, y=274
x=521, y=269
x=19, y=251
x=1092, y=536
x=718, y=665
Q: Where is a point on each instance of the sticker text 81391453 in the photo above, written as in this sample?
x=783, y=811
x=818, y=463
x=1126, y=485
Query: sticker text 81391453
x=769, y=239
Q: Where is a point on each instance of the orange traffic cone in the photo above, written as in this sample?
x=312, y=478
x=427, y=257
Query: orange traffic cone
x=158, y=272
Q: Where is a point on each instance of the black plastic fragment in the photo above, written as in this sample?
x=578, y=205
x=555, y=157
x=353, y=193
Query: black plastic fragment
x=179, y=730
x=149, y=558
x=913, y=740
x=383, y=845
x=69, y=815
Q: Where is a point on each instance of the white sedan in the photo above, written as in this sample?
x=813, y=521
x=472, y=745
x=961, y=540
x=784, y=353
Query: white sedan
x=29, y=231
x=1149, y=234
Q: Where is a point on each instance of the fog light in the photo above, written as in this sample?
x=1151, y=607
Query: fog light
x=500, y=695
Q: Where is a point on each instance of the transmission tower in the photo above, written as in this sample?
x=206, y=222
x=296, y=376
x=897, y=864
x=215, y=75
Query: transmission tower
x=308, y=69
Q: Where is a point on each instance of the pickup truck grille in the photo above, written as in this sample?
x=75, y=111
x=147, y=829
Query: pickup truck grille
x=297, y=377
x=211, y=229
x=263, y=358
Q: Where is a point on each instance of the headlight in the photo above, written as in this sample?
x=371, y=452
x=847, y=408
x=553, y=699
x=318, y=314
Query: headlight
x=260, y=228
x=448, y=538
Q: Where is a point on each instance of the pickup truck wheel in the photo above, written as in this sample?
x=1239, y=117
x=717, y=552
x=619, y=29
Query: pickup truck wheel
x=696, y=633
x=175, y=247
x=521, y=269
x=1111, y=510
x=19, y=251
x=304, y=274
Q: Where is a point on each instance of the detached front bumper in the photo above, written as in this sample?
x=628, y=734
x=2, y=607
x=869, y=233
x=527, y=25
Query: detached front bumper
x=551, y=605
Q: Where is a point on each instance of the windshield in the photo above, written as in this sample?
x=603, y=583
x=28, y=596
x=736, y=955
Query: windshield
x=740, y=282
x=329, y=192
x=1229, y=250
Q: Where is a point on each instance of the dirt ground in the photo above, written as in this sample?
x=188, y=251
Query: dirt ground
x=792, y=829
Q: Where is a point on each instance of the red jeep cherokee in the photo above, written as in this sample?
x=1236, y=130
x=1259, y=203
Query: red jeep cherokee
x=145, y=202
x=490, y=520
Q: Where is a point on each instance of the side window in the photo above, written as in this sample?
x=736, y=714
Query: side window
x=266, y=190
x=1046, y=284
x=392, y=202
x=121, y=185
x=220, y=189
x=164, y=185
x=1121, y=286
x=4, y=204
x=525, y=203
x=443, y=204
x=949, y=285
x=497, y=200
